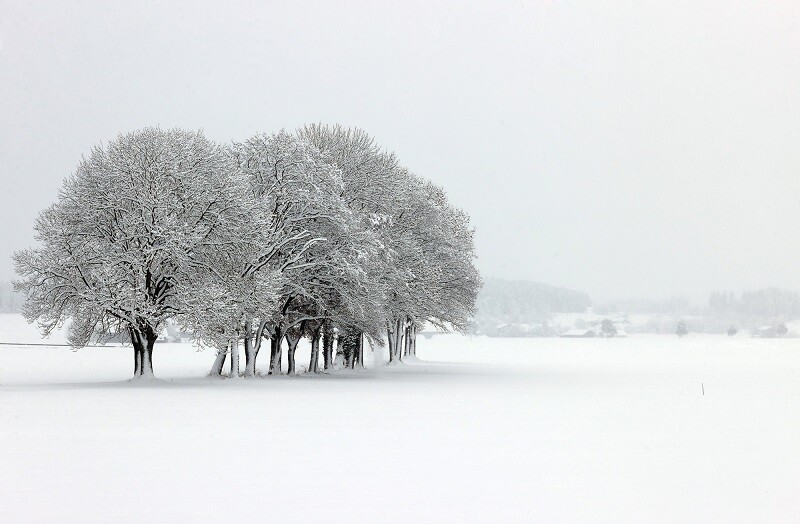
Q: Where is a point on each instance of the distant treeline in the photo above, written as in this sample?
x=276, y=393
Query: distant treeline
x=523, y=302
x=677, y=305
x=748, y=311
x=521, y=308
x=767, y=302
x=10, y=302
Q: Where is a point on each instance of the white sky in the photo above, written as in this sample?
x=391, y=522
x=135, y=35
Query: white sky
x=622, y=148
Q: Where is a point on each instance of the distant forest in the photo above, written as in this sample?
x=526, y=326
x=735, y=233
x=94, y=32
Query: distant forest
x=523, y=302
x=522, y=308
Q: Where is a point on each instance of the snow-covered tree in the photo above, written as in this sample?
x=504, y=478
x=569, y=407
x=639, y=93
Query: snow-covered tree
x=308, y=229
x=681, y=329
x=608, y=328
x=120, y=249
x=426, y=264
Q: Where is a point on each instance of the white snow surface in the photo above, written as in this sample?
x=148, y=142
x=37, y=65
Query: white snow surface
x=650, y=428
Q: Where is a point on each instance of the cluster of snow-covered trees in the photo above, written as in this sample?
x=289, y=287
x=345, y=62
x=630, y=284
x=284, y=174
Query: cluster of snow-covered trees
x=318, y=234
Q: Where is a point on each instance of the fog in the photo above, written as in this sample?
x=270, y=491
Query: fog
x=621, y=149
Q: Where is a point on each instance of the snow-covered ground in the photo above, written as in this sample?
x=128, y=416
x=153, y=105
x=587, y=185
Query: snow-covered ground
x=648, y=428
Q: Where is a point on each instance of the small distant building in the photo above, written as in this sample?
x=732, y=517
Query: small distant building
x=579, y=333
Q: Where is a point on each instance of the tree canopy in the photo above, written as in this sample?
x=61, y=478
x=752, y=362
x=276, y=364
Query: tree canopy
x=318, y=233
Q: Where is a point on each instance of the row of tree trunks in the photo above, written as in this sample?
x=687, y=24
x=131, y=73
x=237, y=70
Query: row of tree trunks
x=410, y=340
x=350, y=349
x=350, y=343
x=252, y=345
x=394, y=332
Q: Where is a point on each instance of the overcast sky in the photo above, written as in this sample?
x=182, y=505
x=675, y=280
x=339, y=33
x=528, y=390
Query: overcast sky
x=627, y=149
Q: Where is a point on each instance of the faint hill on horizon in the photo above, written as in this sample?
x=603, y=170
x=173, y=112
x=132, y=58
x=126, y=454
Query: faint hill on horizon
x=503, y=301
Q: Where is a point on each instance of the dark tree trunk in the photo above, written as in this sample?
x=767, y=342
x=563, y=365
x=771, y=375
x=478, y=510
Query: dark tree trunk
x=248, y=350
x=327, y=348
x=143, y=343
x=234, y=357
x=291, y=342
x=394, y=332
x=147, y=353
x=313, y=365
x=137, y=360
x=390, y=341
x=276, y=353
x=399, y=339
x=136, y=342
x=358, y=357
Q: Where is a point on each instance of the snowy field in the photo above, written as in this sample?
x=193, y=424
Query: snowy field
x=648, y=428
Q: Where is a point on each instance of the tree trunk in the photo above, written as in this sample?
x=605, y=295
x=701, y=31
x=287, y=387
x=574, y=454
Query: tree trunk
x=219, y=362
x=234, y=357
x=136, y=342
x=147, y=354
x=346, y=346
x=340, y=348
x=413, y=344
x=394, y=333
x=358, y=358
x=390, y=341
x=399, y=333
x=276, y=352
x=137, y=359
x=327, y=349
x=291, y=342
x=250, y=364
x=249, y=371
x=313, y=365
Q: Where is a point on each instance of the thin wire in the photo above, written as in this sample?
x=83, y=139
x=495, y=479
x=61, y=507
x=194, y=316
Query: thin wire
x=53, y=345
